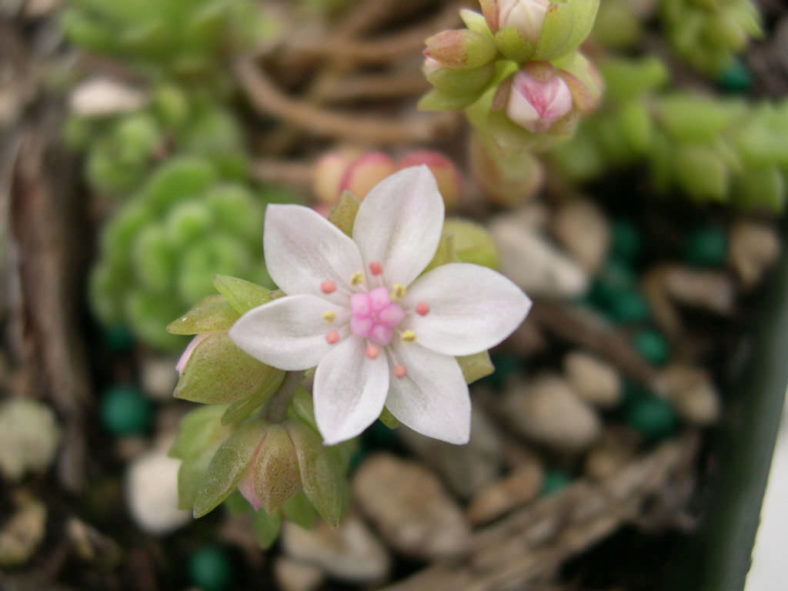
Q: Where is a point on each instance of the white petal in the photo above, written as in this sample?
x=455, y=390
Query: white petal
x=433, y=397
x=349, y=390
x=472, y=308
x=303, y=249
x=399, y=224
x=288, y=333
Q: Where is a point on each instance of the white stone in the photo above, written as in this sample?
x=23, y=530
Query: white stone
x=293, y=575
x=350, y=552
x=534, y=264
x=152, y=493
x=29, y=437
x=584, y=232
x=753, y=249
x=592, y=379
x=691, y=392
x=100, y=97
x=158, y=377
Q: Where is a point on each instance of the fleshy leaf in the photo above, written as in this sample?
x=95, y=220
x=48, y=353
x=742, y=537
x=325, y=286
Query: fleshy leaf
x=197, y=429
x=266, y=527
x=321, y=476
x=556, y=31
x=389, y=419
x=445, y=253
x=240, y=294
x=475, y=21
x=475, y=367
x=437, y=100
x=228, y=466
x=242, y=409
x=301, y=408
x=343, y=214
x=218, y=372
x=276, y=475
x=513, y=45
x=300, y=511
x=211, y=314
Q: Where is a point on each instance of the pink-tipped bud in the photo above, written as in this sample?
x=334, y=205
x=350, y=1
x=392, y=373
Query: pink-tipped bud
x=446, y=174
x=538, y=97
x=365, y=172
x=525, y=16
x=460, y=48
x=328, y=173
x=187, y=353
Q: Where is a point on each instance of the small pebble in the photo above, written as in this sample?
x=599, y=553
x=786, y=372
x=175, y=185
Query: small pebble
x=706, y=247
x=351, y=552
x=583, y=231
x=125, y=411
x=692, y=393
x=534, y=264
x=211, y=569
x=652, y=417
x=410, y=508
x=293, y=575
x=100, y=97
x=592, y=379
x=21, y=535
x=152, y=493
x=616, y=448
x=652, y=346
x=521, y=486
x=547, y=411
x=554, y=482
x=158, y=377
x=754, y=248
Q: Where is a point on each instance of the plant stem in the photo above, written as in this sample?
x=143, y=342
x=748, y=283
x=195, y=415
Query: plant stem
x=277, y=407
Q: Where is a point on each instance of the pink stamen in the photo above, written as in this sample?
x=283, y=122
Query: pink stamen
x=375, y=268
x=328, y=287
x=400, y=371
x=372, y=352
x=375, y=316
x=332, y=338
x=422, y=308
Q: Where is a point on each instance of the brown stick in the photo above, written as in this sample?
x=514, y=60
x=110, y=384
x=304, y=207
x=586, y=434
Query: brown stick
x=293, y=173
x=374, y=86
x=265, y=97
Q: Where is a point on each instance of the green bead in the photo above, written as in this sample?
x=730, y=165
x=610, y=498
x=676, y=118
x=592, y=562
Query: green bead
x=736, y=78
x=652, y=417
x=615, y=278
x=125, y=411
x=118, y=339
x=626, y=242
x=629, y=307
x=210, y=568
x=554, y=481
x=652, y=346
x=505, y=366
x=706, y=247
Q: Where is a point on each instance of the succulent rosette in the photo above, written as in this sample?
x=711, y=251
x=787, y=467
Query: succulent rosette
x=360, y=308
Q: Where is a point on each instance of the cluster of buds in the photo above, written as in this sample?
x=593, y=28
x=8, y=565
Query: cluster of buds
x=352, y=169
x=709, y=33
x=517, y=69
x=721, y=150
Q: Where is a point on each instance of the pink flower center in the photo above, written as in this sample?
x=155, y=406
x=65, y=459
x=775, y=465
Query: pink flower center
x=375, y=316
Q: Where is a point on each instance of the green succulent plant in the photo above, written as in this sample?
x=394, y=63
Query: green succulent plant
x=709, y=149
x=709, y=33
x=160, y=252
x=122, y=150
x=184, y=40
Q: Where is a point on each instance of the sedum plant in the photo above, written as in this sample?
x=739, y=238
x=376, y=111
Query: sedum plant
x=159, y=253
x=708, y=34
x=188, y=41
x=374, y=308
x=122, y=150
x=710, y=149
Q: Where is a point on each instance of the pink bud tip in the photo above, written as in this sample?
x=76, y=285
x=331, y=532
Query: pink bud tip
x=328, y=173
x=400, y=371
x=375, y=268
x=538, y=97
x=332, y=338
x=372, y=352
x=365, y=172
x=328, y=287
x=422, y=308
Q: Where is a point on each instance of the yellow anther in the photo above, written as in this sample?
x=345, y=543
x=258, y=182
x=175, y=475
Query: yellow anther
x=398, y=292
x=329, y=316
x=357, y=278
x=408, y=336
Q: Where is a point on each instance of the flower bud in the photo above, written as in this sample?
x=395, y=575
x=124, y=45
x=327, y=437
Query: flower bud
x=365, y=172
x=525, y=16
x=460, y=48
x=538, y=97
x=446, y=174
x=328, y=173
x=504, y=180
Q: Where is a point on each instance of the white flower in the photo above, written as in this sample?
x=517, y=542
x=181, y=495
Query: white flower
x=358, y=309
x=526, y=16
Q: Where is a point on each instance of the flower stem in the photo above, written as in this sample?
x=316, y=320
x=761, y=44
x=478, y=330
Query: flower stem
x=277, y=407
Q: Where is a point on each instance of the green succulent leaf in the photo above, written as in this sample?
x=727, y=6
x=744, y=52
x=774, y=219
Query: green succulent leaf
x=343, y=214
x=300, y=511
x=276, y=476
x=211, y=314
x=242, y=295
x=266, y=527
x=475, y=367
